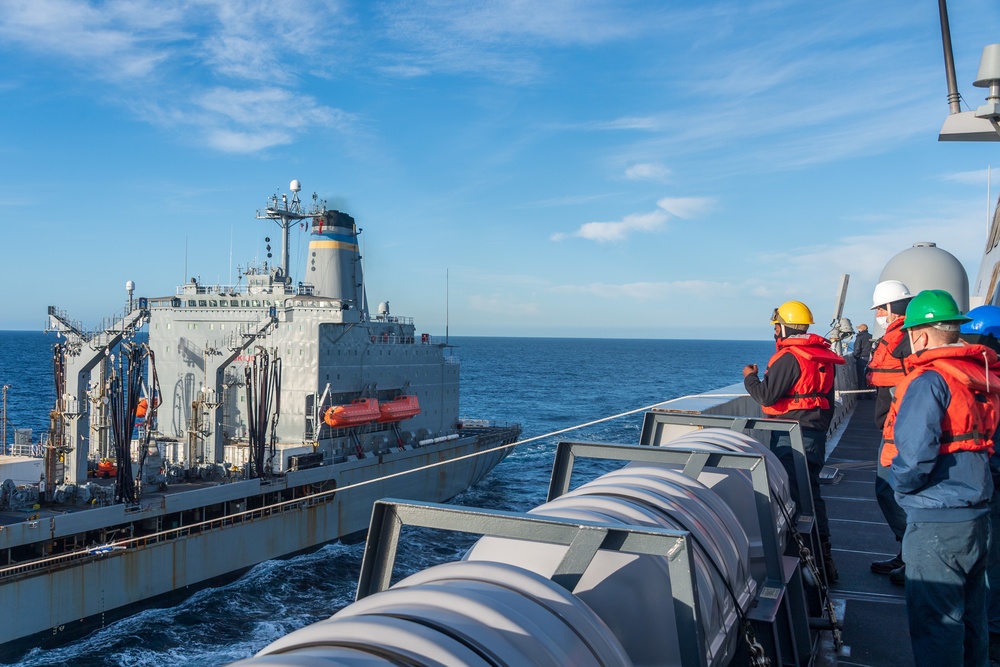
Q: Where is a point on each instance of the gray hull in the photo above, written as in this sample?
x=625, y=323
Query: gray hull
x=76, y=595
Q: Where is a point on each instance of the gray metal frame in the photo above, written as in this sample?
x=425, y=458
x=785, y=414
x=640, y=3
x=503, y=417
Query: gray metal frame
x=806, y=524
x=779, y=610
x=692, y=463
x=583, y=539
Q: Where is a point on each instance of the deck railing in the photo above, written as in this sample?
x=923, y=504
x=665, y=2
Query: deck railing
x=121, y=546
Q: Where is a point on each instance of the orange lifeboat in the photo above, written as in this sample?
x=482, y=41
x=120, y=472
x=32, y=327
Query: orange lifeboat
x=107, y=468
x=399, y=409
x=357, y=412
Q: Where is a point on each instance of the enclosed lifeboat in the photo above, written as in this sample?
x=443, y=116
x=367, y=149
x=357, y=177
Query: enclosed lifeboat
x=357, y=412
x=398, y=409
x=107, y=468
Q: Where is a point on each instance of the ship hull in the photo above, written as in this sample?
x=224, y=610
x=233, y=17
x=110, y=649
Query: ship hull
x=77, y=597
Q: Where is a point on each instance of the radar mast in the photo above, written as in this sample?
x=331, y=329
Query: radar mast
x=285, y=212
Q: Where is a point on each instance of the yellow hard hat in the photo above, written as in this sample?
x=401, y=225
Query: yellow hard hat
x=795, y=313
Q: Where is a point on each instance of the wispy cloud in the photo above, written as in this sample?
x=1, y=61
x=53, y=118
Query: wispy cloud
x=120, y=41
x=499, y=39
x=604, y=232
x=625, y=123
x=653, y=221
x=686, y=207
x=806, y=95
x=151, y=57
x=648, y=171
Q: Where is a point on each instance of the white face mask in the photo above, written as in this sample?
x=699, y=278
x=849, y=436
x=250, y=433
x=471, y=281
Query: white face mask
x=882, y=321
x=913, y=344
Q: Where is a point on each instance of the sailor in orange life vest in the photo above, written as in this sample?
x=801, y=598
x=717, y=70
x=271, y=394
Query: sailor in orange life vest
x=889, y=302
x=798, y=384
x=942, y=422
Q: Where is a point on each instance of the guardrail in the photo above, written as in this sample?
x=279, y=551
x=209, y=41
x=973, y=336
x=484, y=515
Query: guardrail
x=113, y=548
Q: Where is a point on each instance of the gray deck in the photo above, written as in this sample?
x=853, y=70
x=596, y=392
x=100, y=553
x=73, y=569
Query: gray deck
x=874, y=611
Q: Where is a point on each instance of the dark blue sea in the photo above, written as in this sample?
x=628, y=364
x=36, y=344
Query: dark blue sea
x=546, y=384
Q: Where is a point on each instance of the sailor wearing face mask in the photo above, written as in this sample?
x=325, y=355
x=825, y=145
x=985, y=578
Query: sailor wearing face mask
x=942, y=423
x=889, y=302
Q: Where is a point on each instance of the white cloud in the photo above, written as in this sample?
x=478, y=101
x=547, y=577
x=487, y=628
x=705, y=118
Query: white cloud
x=686, y=207
x=654, y=221
x=150, y=56
x=248, y=120
x=117, y=42
x=648, y=171
x=604, y=232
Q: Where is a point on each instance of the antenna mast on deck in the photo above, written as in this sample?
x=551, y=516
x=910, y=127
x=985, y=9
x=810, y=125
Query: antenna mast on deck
x=285, y=212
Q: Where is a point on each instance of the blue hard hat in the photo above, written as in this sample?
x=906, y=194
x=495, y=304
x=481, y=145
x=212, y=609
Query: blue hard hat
x=985, y=320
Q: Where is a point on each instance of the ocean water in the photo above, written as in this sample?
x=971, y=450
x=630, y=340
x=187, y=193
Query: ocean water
x=546, y=384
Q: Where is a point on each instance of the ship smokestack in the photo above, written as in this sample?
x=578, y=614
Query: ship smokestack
x=334, y=261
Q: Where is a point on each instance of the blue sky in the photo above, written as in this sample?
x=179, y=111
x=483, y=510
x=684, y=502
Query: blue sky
x=577, y=168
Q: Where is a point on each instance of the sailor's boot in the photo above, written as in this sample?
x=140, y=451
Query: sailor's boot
x=887, y=566
x=994, y=648
x=831, y=568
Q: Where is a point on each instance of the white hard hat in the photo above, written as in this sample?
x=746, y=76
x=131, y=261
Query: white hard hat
x=889, y=291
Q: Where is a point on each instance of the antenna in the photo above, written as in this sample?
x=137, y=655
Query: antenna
x=447, y=283
x=284, y=212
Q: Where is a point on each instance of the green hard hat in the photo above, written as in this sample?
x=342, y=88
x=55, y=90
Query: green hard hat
x=931, y=306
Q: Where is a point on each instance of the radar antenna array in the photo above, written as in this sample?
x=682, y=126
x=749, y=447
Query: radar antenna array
x=285, y=212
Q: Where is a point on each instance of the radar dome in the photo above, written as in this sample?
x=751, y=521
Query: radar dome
x=383, y=308
x=295, y=186
x=926, y=266
x=129, y=286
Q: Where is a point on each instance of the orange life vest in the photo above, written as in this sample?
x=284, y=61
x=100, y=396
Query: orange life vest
x=816, y=361
x=974, y=408
x=885, y=370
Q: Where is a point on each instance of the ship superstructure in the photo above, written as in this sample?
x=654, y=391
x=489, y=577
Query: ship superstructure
x=332, y=350
x=253, y=420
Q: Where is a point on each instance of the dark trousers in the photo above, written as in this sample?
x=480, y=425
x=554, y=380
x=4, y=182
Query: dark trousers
x=946, y=593
x=894, y=515
x=993, y=564
x=862, y=366
x=815, y=446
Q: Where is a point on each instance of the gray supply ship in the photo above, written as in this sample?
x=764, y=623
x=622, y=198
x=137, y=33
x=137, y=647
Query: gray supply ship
x=200, y=433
